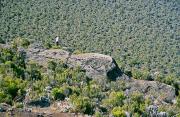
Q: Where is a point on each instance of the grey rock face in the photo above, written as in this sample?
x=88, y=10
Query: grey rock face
x=95, y=65
x=42, y=56
x=152, y=111
x=162, y=114
x=42, y=102
x=161, y=92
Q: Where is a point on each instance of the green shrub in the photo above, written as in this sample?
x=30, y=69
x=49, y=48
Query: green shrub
x=52, y=65
x=118, y=112
x=19, y=105
x=11, y=88
x=76, y=90
x=5, y=98
x=25, y=43
x=56, y=47
x=159, y=77
x=57, y=94
x=137, y=97
x=141, y=74
x=2, y=41
x=48, y=45
x=33, y=70
x=21, y=42
x=92, y=91
x=82, y=104
x=137, y=104
x=178, y=101
x=77, y=52
x=98, y=114
x=136, y=115
x=170, y=79
x=115, y=99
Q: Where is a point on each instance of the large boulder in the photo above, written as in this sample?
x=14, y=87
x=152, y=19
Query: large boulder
x=160, y=93
x=95, y=65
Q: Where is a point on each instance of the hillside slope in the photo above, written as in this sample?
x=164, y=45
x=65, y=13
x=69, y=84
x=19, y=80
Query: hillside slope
x=52, y=81
x=141, y=33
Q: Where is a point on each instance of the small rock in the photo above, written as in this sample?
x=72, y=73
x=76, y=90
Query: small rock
x=40, y=115
x=42, y=102
x=152, y=110
x=162, y=114
x=4, y=107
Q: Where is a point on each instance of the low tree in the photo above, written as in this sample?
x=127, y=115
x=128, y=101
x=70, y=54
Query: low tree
x=82, y=104
x=114, y=99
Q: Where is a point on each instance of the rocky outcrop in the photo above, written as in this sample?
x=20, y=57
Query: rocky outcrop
x=42, y=56
x=95, y=65
x=159, y=93
x=98, y=65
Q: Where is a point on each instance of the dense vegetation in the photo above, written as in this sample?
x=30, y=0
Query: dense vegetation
x=141, y=34
x=99, y=97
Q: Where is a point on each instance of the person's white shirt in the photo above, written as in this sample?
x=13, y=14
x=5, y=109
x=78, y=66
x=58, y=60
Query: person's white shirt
x=57, y=39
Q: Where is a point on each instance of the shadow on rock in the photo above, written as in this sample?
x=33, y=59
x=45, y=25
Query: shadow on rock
x=42, y=102
x=115, y=72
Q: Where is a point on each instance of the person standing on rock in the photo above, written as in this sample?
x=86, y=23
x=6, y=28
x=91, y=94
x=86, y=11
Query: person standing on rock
x=57, y=41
